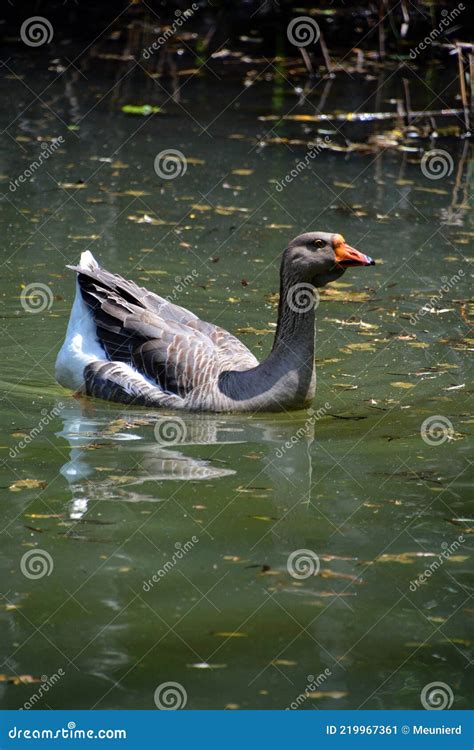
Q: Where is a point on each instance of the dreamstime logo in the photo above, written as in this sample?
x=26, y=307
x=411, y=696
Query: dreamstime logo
x=46, y=684
x=170, y=430
x=36, y=31
x=46, y=418
x=302, y=563
x=436, y=430
x=181, y=283
x=313, y=683
x=181, y=17
x=170, y=163
x=436, y=164
x=36, y=563
x=47, y=150
x=36, y=297
x=181, y=550
x=447, y=18
x=302, y=31
x=302, y=298
x=304, y=430
x=446, y=551
x=314, y=150
x=436, y=696
x=430, y=306
x=170, y=696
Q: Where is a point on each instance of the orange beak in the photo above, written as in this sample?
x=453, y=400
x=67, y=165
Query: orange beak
x=349, y=256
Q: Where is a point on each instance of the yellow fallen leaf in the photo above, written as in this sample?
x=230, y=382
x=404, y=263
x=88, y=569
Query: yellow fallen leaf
x=230, y=634
x=27, y=484
x=256, y=331
x=243, y=172
x=133, y=193
x=365, y=347
x=72, y=185
x=146, y=219
x=83, y=236
x=201, y=207
x=278, y=226
x=401, y=384
x=21, y=679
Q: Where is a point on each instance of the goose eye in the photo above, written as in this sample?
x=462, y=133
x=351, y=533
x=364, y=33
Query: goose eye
x=319, y=243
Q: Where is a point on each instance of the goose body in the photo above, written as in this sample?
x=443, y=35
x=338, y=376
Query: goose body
x=126, y=344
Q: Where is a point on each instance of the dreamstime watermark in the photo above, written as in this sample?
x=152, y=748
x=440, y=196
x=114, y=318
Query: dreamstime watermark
x=314, y=150
x=170, y=696
x=181, y=18
x=303, y=430
x=36, y=31
x=48, y=150
x=170, y=430
x=435, y=430
x=436, y=696
x=447, y=551
x=302, y=297
x=46, y=684
x=170, y=163
x=303, y=563
x=181, y=283
x=429, y=307
x=36, y=563
x=47, y=417
x=447, y=18
x=36, y=297
x=302, y=31
x=436, y=164
x=181, y=552
x=313, y=683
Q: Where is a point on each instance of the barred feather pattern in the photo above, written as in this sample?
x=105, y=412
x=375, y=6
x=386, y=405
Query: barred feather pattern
x=156, y=353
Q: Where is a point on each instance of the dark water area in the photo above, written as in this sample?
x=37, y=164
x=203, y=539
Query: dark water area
x=166, y=549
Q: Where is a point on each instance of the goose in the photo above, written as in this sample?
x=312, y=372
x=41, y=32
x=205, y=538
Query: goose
x=126, y=344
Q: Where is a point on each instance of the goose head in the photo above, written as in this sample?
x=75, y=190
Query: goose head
x=320, y=257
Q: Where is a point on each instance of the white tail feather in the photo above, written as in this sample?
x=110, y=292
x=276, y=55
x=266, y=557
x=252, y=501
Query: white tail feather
x=88, y=261
x=81, y=345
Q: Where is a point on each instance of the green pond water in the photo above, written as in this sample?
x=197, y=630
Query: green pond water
x=220, y=509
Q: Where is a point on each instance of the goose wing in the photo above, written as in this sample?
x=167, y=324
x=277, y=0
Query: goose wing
x=165, y=342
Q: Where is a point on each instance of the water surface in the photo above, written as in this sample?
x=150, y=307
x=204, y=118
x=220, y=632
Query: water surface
x=220, y=504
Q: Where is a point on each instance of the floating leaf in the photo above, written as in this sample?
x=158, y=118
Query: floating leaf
x=256, y=331
x=284, y=663
x=140, y=109
x=72, y=185
x=21, y=679
x=27, y=484
x=146, y=219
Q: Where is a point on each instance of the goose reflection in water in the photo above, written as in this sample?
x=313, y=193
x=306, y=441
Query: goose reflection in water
x=158, y=449
x=130, y=446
